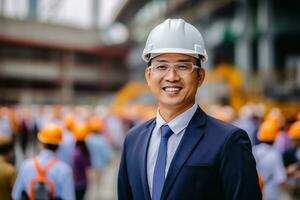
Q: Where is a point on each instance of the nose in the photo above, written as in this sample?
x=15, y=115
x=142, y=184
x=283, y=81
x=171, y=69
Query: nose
x=172, y=75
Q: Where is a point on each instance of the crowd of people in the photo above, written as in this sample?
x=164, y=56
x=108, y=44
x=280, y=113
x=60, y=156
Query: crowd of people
x=66, y=145
x=78, y=142
x=276, y=140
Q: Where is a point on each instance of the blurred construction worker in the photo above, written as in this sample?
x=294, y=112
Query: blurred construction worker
x=100, y=151
x=14, y=120
x=81, y=160
x=282, y=142
x=269, y=162
x=291, y=159
x=292, y=155
x=5, y=128
x=27, y=129
x=9, y=127
x=115, y=127
x=250, y=116
x=67, y=146
x=7, y=171
x=59, y=182
x=183, y=153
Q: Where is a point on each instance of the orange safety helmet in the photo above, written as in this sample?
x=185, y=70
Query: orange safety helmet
x=294, y=131
x=268, y=131
x=276, y=114
x=80, y=131
x=50, y=134
x=95, y=124
x=69, y=121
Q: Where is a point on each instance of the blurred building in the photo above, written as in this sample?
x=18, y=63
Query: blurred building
x=44, y=62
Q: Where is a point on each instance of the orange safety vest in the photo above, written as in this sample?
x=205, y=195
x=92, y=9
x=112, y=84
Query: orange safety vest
x=42, y=178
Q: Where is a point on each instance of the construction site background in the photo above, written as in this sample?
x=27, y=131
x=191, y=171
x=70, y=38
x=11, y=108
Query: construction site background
x=83, y=58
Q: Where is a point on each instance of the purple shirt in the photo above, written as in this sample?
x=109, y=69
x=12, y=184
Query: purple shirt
x=80, y=165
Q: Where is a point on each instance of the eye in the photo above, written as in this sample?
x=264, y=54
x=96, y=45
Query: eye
x=160, y=67
x=183, y=67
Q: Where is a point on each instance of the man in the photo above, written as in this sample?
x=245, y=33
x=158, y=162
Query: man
x=58, y=172
x=269, y=162
x=101, y=153
x=291, y=159
x=7, y=171
x=67, y=146
x=183, y=153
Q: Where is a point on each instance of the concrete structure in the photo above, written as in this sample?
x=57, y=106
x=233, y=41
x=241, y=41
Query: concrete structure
x=48, y=63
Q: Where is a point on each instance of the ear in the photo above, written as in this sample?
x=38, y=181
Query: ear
x=201, y=76
x=148, y=75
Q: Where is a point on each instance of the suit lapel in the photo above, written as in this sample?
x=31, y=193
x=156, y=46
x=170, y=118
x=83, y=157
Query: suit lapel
x=145, y=138
x=190, y=139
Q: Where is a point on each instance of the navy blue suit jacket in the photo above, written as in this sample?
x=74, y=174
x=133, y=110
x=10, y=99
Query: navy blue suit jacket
x=213, y=162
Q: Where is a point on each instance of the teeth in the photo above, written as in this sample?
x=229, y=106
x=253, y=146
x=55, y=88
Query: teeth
x=169, y=89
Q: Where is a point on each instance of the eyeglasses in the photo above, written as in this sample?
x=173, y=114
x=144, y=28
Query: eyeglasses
x=181, y=68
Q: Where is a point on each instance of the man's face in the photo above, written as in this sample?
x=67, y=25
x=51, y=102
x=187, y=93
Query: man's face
x=174, y=91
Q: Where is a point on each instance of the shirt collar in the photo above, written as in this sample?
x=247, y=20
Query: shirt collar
x=178, y=123
x=46, y=154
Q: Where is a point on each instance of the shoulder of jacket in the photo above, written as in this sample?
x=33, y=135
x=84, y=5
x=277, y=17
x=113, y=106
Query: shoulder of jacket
x=139, y=127
x=226, y=128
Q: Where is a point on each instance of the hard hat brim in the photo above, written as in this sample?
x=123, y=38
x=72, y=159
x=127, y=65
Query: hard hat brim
x=46, y=140
x=152, y=54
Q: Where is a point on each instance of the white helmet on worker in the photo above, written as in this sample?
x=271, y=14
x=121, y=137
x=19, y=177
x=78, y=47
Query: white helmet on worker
x=175, y=36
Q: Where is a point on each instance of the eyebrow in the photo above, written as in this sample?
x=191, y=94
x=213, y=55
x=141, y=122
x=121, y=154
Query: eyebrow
x=182, y=60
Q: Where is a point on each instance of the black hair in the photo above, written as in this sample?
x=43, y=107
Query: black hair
x=198, y=62
x=268, y=142
x=6, y=148
x=83, y=148
x=51, y=147
x=149, y=62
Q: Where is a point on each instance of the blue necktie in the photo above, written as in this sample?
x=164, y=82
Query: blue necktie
x=160, y=166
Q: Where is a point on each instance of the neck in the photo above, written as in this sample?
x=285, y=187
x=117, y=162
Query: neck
x=169, y=113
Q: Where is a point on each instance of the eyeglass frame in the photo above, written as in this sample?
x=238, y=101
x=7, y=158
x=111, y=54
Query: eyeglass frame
x=171, y=64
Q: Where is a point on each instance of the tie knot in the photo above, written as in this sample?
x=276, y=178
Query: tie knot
x=166, y=132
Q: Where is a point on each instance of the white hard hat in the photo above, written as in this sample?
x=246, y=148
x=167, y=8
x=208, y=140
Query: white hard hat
x=174, y=36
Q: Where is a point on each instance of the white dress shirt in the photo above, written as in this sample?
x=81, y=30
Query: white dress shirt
x=178, y=126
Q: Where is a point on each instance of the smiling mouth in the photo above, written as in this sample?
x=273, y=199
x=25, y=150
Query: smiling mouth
x=172, y=89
